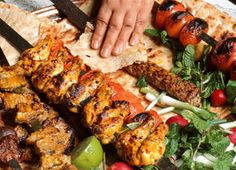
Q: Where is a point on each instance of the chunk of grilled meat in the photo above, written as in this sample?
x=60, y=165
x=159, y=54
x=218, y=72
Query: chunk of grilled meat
x=79, y=93
x=8, y=145
x=143, y=145
x=34, y=114
x=167, y=81
x=12, y=78
x=11, y=100
x=53, y=141
x=32, y=58
x=55, y=137
x=21, y=133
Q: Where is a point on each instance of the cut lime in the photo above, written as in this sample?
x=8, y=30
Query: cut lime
x=88, y=154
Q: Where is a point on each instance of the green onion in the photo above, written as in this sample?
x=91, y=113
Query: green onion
x=228, y=125
x=165, y=100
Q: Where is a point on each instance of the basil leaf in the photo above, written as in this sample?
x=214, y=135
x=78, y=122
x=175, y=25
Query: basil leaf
x=142, y=82
x=231, y=91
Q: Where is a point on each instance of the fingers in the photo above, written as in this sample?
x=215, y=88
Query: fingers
x=113, y=31
x=141, y=22
x=103, y=18
x=127, y=29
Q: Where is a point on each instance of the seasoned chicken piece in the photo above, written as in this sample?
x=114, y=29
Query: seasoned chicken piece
x=12, y=78
x=45, y=73
x=34, y=114
x=57, y=86
x=110, y=122
x=55, y=162
x=55, y=137
x=99, y=103
x=143, y=145
x=10, y=101
x=33, y=57
x=79, y=93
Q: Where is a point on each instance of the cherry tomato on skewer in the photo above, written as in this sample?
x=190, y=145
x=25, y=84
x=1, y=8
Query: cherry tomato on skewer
x=165, y=10
x=224, y=54
x=189, y=33
x=176, y=21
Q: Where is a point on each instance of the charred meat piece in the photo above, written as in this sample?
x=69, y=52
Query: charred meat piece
x=12, y=78
x=110, y=122
x=34, y=114
x=8, y=145
x=55, y=137
x=79, y=93
x=57, y=86
x=143, y=145
x=99, y=103
x=33, y=57
x=165, y=80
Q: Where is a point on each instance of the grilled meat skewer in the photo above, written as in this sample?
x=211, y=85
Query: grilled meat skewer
x=51, y=136
x=104, y=105
x=167, y=81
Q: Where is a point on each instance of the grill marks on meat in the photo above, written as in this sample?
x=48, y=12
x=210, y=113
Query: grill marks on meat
x=52, y=137
x=143, y=145
x=164, y=80
x=94, y=96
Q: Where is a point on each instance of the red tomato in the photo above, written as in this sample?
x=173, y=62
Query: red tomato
x=177, y=119
x=176, y=21
x=232, y=136
x=158, y=119
x=224, y=55
x=189, y=33
x=218, y=98
x=233, y=72
x=120, y=166
x=135, y=105
x=165, y=10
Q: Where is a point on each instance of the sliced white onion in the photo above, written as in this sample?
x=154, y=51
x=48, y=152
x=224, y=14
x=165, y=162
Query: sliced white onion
x=228, y=125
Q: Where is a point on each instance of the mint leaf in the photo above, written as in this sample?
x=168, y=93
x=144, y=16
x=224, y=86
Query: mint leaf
x=164, y=37
x=224, y=161
x=218, y=140
x=230, y=91
x=152, y=32
x=142, y=82
x=188, y=56
x=173, y=137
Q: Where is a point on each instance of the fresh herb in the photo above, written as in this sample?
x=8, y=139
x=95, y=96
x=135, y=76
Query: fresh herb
x=142, y=82
x=174, y=138
x=196, y=72
x=162, y=35
x=231, y=91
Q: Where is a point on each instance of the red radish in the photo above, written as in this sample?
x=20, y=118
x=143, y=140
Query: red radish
x=177, y=119
x=232, y=136
x=218, y=98
x=120, y=166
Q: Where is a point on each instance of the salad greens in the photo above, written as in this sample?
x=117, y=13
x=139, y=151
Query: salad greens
x=196, y=71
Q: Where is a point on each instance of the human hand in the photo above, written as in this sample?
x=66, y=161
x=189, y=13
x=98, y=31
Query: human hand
x=118, y=22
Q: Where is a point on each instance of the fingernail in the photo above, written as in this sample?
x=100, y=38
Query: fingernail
x=118, y=49
x=134, y=40
x=105, y=52
x=95, y=44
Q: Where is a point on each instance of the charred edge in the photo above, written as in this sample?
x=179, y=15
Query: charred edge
x=197, y=24
x=120, y=103
x=142, y=117
x=226, y=46
x=167, y=5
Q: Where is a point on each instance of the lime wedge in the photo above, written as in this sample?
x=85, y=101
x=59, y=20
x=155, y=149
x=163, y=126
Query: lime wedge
x=88, y=154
